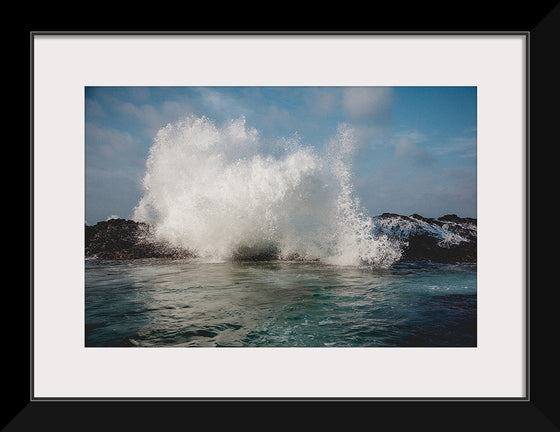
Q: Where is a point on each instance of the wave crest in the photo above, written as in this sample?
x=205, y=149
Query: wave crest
x=226, y=194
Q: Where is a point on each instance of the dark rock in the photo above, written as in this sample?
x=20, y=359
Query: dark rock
x=121, y=239
x=389, y=215
x=456, y=219
x=447, y=239
x=263, y=252
x=422, y=218
x=426, y=247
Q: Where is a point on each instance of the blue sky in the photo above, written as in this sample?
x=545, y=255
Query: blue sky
x=415, y=146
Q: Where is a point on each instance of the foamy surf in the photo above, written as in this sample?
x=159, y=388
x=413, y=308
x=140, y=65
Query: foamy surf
x=220, y=192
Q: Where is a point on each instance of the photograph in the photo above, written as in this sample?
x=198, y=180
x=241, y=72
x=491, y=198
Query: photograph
x=213, y=222
x=302, y=217
x=280, y=216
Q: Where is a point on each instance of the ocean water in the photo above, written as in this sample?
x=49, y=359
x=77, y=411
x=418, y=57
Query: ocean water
x=195, y=303
x=326, y=276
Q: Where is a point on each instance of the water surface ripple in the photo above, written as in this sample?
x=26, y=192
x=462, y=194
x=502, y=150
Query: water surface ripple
x=158, y=303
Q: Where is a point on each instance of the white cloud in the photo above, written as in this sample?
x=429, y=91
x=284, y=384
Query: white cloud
x=106, y=143
x=322, y=101
x=408, y=152
x=430, y=192
x=222, y=105
x=94, y=108
x=145, y=113
x=412, y=135
x=373, y=103
x=461, y=146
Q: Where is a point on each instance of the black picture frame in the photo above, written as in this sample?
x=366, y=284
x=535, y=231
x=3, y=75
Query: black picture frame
x=536, y=412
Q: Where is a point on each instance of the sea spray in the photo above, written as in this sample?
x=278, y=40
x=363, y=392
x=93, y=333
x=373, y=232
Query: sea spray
x=224, y=194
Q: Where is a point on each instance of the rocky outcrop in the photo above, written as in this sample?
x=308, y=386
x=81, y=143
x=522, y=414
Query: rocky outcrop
x=447, y=239
x=121, y=239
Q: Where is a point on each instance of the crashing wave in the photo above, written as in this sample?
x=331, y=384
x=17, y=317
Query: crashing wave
x=224, y=193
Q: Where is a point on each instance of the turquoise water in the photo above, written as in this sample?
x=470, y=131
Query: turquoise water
x=165, y=303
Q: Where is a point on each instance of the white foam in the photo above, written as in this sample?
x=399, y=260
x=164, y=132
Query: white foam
x=217, y=189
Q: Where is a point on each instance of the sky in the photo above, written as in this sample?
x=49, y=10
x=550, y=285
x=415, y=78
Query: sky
x=415, y=146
